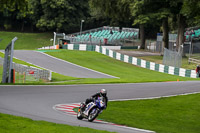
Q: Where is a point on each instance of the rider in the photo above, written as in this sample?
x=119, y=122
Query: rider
x=102, y=93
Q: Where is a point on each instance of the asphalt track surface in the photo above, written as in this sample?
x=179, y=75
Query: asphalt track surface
x=36, y=102
x=57, y=65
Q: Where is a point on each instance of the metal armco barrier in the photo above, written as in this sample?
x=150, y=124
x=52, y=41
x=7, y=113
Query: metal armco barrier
x=32, y=73
x=25, y=73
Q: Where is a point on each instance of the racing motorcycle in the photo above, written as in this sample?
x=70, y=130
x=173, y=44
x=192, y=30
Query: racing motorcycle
x=92, y=109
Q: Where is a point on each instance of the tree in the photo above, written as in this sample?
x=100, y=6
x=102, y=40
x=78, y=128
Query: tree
x=35, y=9
x=58, y=15
x=175, y=9
x=128, y=13
x=163, y=15
x=139, y=13
x=12, y=5
x=148, y=12
x=190, y=10
x=13, y=10
x=116, y=11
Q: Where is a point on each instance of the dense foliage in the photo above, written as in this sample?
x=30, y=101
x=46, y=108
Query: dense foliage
x=150, y=16
x=166, y=14
x=43, y=15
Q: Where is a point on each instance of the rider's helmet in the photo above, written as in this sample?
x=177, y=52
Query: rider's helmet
x=103, y=92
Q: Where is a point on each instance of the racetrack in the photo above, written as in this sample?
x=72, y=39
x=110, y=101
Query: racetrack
x=57, y=65
x=36, y=102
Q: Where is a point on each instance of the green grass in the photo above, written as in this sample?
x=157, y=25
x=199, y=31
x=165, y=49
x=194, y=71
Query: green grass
x=55, y=76
x=17, y=74
x=14, y=124
x=25, y=40
x=126, y=72
x=178, y=114
x=18, y=61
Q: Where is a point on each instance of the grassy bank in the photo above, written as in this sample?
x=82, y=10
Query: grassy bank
x=178, y=114
x=55, y=76
x=18, y=61
x=127, y=73
x=25, y=40
x=14, y=124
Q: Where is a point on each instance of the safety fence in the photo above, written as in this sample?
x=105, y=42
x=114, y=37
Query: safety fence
x=192, y=51
x=135, y=61
x=26, y=74
x=172, y=58
x=159, y=42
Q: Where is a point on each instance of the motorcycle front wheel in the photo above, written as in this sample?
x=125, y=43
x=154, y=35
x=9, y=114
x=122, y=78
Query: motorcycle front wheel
x=79, y=115
x=93, y=114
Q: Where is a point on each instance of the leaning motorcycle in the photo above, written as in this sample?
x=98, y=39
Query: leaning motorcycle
x=92, y=109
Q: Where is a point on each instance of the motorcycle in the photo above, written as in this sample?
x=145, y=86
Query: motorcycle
x=92, y=109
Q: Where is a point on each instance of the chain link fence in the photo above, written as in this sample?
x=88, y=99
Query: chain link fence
x=172, y=58
x=25, y=74
x=160, y=46
x=192, y=51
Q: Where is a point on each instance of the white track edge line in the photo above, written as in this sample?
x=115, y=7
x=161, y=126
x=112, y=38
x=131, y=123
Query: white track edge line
x=155, y=97
x=63, y=61
x=132, y=128
x=103, y=84
x=77, y=65
x=104, y=122
x=30, y=63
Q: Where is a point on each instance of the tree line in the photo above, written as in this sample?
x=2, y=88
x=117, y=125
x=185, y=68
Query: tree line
x=150, y=16
x=42, y=15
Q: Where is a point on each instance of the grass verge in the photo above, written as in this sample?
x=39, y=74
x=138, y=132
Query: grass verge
x=126, y=72
x=55, y=76
x=179, y=114
x=14, y=124
x=25, y=40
